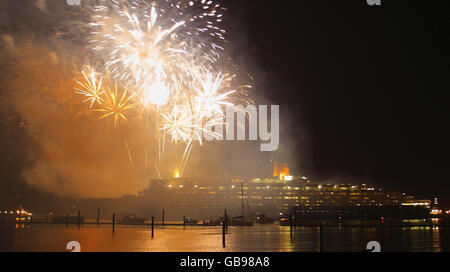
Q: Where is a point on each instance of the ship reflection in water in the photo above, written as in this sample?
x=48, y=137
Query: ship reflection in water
x=267, y=237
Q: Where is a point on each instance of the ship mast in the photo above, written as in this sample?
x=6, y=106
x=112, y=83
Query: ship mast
x=242, y=198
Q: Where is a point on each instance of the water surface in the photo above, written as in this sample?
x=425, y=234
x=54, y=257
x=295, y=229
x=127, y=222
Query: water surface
x=259, y=238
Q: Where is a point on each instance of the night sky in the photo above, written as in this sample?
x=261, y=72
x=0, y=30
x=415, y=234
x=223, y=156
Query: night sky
x=361, y=90
x=366, y=85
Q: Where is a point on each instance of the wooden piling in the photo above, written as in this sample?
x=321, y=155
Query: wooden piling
x=444, y=232
x=153, y=226
x=163, y=217
x=98, y=216
x=431, y=234
x=67, y=220
x=321, y=237
x=79, y=219
x=391, y=235
x=290, y=224
x=113, y=221
x=226, y=220
x=362, y=233
x=223, y=233
x=184, y=221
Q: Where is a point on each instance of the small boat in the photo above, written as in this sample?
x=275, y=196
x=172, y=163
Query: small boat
x=262, y=219
x=239, y=221
x=19, y=216
x=190, y=221
x=212, y=222
x=130, y=220
x=284, y=220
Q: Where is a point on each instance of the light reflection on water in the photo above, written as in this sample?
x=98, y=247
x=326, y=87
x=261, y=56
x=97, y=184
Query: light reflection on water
x=195, y=238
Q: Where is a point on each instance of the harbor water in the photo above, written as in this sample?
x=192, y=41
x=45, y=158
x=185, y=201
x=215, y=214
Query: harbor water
x=257, y=238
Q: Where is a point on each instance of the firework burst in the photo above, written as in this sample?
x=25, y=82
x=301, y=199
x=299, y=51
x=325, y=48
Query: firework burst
x=115, y=105
x=154, y=46
x=179, y=124
x=208, y=98
x=91, y=88
x=170, y=57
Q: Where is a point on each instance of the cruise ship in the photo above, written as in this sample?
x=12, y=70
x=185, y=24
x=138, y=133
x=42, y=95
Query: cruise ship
x=275, y=196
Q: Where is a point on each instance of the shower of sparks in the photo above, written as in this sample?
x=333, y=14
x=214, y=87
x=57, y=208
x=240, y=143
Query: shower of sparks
x=91, y=88
x=154, y=46
x=168, y=56
x=208, y=99
x=129, y=153
x=185, y=158
x=179, y=124
x=115, y=105
x=157, y=170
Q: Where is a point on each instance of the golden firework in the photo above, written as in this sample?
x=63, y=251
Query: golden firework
x=115, y=105
x=91, y=88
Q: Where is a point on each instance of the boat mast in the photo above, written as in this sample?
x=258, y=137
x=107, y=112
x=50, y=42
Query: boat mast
x=242, y=198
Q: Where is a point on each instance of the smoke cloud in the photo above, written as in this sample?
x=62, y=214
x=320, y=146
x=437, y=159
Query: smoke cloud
x=70, y=151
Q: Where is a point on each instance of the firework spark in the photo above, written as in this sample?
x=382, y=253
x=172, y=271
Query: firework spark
x=91, y=88
x=208, y=100
x=115, y=105
x=169, y=56
x=129, y=153
x=179, y=124
x=155, y=45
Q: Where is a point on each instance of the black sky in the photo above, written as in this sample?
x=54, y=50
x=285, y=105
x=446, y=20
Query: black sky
x=366, y=83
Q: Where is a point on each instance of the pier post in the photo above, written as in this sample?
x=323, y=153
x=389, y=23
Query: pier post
x=290, y=224
x=223, y=233
x=67, y=220
x=321, y=237
x=225, y=220
x=79, y=219
x=113, y=221
x=391, y=235
x=444, y=231
x=431, y=233
x=362, y=233
x=98, y=216
x=153, y=226
x=184, y=221
x=163, y=217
